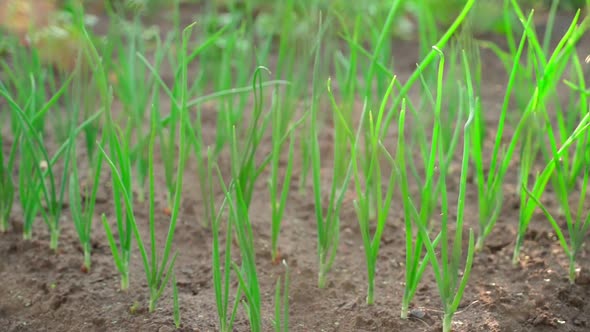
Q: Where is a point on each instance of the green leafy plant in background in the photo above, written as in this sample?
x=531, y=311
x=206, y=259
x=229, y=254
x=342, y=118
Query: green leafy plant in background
x=575, y=163
x=134, y=83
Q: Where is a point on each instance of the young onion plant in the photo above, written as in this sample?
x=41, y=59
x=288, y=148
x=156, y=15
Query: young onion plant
x=551, y=69
x=446, y=268
x=82, y=198
x=221, y=265
x=158, y=270
x=369, y=190
x=278, y=197
x=82, y=205
x=238, y=196
x=37, y=180
x=157, y=273
x=490, y=191
x=436, y=161
x=245, y=168
x=328, y=215
x=415, y=263
x=120, y=165
x=282, y=302
x=450, y=283
x=576, y=163
x=577, y=224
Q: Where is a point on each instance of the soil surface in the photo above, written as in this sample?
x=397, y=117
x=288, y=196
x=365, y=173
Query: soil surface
x=46, y=291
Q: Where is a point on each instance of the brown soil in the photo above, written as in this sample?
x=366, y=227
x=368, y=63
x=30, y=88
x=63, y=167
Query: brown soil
x=46, y=291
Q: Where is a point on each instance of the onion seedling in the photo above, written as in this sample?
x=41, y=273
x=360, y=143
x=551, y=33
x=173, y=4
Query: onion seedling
x=381, y=51
x=490, y=191
x=415, y=264
x=244, y=167
x=239, y=217
x=282, y=302
x=576, y=227
x=82, y=203
x=328, y=216
x=576, y=164
x=36, y=174
x=446, y=270
x=373, y=189
x=328, y=222
x=278, y=198
x=221, y=273
x=120, y=165
x=83, y=213
x=436, y=161
x=547, y=81
x=246, y=272
x=158, y=270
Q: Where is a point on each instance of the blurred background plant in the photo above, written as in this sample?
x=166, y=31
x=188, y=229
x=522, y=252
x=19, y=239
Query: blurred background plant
x=46, y=24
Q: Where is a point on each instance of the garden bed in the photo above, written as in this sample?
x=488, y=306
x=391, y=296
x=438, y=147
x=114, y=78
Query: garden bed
x=43, y=290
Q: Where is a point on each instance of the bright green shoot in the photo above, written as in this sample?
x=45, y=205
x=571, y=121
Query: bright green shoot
x=282, y=302
x=247, y=274
x=37, y=181
x=221, y=266
x=82, y=204
x=577, y=227
x=436, y=161
x=490, y=191
x=328, y=222
x=575, y=164
x=367, y=194
x=429, y=59
x=551, y=69
x=120, y=165
x=446, y=269
x=278, y=197
x=239, y=217
x=244, y=166
x=415, y=264
x=158, y=270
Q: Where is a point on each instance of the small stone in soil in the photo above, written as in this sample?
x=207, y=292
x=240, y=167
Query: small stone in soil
x=417, y=313
x=584, y=277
